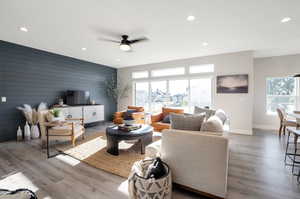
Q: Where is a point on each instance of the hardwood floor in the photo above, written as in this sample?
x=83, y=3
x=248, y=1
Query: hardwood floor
x=256, y=170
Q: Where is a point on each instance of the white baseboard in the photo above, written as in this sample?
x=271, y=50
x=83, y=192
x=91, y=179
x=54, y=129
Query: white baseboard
x=240, y=131
x=265, y=126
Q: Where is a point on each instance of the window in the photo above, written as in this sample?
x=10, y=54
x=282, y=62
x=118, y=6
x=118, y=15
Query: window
x=207, y=68
x=183, y=93
x=179, y=97
x=200, y=92
x=281, y=91
x=140, y=74
x=159, y=95
x=142, y=94
x=167, y=72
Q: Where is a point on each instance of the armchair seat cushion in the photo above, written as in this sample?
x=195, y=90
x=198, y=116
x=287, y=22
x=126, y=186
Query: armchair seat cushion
x=65, y=130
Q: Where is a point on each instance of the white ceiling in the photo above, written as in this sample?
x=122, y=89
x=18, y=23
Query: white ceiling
x=65, y=26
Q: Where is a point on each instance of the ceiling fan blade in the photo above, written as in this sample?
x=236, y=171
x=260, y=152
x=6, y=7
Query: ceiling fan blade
x=109, y=40
x=138, y=40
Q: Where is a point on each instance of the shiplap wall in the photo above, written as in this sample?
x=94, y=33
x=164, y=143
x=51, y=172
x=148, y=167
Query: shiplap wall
x=31, y=76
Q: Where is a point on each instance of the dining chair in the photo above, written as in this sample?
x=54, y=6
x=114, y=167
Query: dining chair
x=284, y=121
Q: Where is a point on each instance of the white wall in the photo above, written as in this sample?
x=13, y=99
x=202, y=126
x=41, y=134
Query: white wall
x=270, y=67
x=239, y=107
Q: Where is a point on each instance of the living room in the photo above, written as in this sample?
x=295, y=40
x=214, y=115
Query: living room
x=101, y=99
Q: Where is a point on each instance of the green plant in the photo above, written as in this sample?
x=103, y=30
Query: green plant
x=55, y=112
x=115, y=90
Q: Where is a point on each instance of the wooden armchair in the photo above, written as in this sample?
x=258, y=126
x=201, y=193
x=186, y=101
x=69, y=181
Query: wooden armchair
x=157, y=119
x=138, y=116
x=70, y=129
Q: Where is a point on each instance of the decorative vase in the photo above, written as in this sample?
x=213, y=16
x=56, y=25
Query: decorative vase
x=19, y=134
x=35, y=132
x=27, y=133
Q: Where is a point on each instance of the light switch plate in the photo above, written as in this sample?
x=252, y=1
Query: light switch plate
x=3, y=99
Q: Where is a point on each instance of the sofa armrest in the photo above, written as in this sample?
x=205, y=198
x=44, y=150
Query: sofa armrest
x=157, y=117
x=207, y=157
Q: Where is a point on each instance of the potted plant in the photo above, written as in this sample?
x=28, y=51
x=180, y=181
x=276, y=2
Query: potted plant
x=116, y=91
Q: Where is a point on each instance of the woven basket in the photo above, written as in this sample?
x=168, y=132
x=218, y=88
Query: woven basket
x=142, y=188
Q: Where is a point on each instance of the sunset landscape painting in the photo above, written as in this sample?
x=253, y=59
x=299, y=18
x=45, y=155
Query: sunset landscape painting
x=232, y=83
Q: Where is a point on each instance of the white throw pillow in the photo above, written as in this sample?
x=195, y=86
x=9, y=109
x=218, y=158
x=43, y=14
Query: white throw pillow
x=221, y=114
x=213, y=124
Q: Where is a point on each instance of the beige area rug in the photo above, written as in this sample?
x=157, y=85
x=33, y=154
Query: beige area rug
x=92, y=150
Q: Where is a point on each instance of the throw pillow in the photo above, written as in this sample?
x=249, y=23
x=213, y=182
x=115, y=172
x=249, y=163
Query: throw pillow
x=128, y=114
x=208, y=112
x=166, y=119
x=221, y=114
x=186, y=122
x=213, y=124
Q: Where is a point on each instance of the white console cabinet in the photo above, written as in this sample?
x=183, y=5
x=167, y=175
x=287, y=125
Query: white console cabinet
x=90, y=113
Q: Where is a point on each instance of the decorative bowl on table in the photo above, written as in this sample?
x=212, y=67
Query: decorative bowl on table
x=129, y=122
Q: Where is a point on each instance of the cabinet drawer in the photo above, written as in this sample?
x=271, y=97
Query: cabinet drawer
x=74, y=112
x=93, y=113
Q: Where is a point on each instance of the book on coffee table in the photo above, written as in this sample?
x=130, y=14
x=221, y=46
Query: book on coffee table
x=128, y=128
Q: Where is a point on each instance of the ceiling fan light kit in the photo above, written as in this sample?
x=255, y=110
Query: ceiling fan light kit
x=125, y=47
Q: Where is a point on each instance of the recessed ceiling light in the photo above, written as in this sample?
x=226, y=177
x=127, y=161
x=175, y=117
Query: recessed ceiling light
x=84, y=49
x=191, y=18
x=204, y=44
x=285, y=19
x=24, y=29
x=118, y=60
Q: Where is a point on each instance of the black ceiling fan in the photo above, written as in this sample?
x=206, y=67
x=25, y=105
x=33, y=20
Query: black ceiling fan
x=125, y=43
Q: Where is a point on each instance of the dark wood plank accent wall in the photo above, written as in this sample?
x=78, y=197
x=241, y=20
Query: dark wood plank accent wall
x=31, y=76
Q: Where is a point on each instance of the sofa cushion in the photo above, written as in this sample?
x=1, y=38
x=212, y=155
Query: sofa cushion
x=65, y=129
x=128, y=114
x=208, y=112
x=221, y=114
x=213, y=124
x=186, y=122
x=166, y=119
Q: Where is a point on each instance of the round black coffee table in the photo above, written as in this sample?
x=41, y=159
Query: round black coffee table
x=114, y=136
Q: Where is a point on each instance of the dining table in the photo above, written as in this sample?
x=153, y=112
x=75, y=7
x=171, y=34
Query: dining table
x=295, y=115
x=296, y=132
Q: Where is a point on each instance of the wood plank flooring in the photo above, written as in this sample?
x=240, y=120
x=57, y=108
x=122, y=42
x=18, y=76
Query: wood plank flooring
x=256, y=171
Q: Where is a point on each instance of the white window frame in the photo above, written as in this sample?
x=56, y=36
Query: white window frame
x=201, y=65
x=297, y=92
x=143, y=71
x=164, y=69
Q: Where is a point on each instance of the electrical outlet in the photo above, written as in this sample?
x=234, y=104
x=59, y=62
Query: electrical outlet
x=3, y=99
